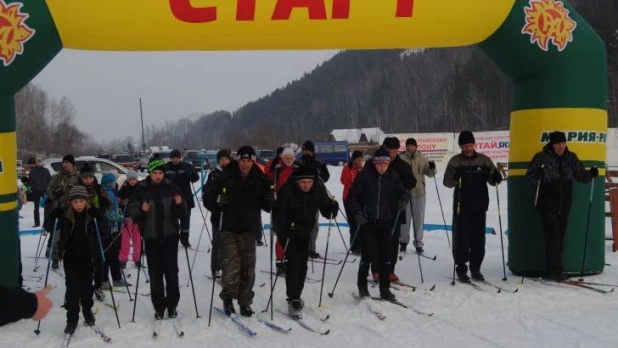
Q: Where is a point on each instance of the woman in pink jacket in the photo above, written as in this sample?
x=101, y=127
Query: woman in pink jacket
x=348, y=175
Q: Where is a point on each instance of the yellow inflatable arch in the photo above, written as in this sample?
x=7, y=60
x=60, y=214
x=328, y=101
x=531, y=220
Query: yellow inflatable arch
x=555, y=59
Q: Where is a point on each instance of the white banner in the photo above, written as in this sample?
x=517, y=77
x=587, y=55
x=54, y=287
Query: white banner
x=495, y=145
x=436, y=146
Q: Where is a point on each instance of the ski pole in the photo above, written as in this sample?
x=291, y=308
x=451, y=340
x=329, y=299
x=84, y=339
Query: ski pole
x=212, y=293
x=441, y=209
x=325, y=257
x=197, y=315
x=141, y=258
x=581, y=275
x=40, y=251
x=272, y=246
x=455, y=222
x=201, y=211
x=536, y=200
x=347, y=254
x=96, y=225
x=501, y=237
x=51, y=253
x=124, y=277
x=199, y=240
x=418, y=255
x=36, y=261
x=395, y=224
x=340, y=235
x=331, y=197
x=272, y=289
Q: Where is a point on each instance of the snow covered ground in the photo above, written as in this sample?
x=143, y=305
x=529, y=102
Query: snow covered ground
x=539, y=315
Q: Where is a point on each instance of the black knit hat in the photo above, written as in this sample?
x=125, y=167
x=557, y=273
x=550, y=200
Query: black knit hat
x=305, y=171
x=411, y=141
x=224, y=153
x=69, y=158
x=557, y=137
x=391, y=143
x=466, y=137
x=175, y=153
x=381, y=156
x=308, y=145
x=246, y=152
x=279, y=150
x=356, y=154
x=86, y=171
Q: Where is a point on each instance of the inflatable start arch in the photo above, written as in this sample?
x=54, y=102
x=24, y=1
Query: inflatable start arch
x=555, y=59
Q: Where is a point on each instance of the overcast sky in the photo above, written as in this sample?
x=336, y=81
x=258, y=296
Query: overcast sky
x=105, y=87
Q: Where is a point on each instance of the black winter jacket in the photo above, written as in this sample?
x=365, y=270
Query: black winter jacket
x=162, y=220
x=556, y=174
x=78, y=233
x=15, y=304
x=319, y=166
x=377, y=196
x=295, y=210
x=475, y=173
x=182, y=175
x=210, y=188
x=246, y=198
x=39, y=178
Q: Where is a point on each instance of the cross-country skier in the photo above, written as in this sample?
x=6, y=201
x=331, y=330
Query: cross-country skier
x=182, y=174
x=469, y=173
x=376, y=197
x=81, y=253
x=296, y=208
x=348, y=176
x=130, y=230
x=553, y=171
x=243, y=192
x=157, y=205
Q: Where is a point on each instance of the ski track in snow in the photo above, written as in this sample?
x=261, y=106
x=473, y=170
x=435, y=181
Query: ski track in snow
x=539, y=315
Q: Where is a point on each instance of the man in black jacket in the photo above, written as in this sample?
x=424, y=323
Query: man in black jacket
x=16, y=304
x=469, y=173
x=243, y=191
x=552, y=172
x=157, y=205
x=404, y=171
x=39, y=179
x=375, y=198
x=296, y=208
x=308, y=158
x=224, y=157
x=182, y=174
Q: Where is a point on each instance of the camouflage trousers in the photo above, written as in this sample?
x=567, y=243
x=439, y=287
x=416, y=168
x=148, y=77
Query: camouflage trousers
x=237, y=262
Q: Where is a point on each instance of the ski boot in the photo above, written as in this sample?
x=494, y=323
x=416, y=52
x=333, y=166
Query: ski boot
x=246, y=311
x=228, y=306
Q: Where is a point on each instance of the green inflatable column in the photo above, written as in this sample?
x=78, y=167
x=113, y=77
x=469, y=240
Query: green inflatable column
x=558, y=65
x=31, y=42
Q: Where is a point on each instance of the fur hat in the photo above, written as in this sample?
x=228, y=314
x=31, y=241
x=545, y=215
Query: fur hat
x=391, y=143
x=557, y=137
x=287, y=151
x=246, y=152
x=78, y=192
x=381, y=156
x=466, y=137
x=69, y=158
x=309, y=146
x=86, y=171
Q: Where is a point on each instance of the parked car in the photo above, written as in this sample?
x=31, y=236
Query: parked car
x=193, y=157
x=165, y=155
x=142, y=164
x=126, y=160
x=265, y=155
x=100, y=165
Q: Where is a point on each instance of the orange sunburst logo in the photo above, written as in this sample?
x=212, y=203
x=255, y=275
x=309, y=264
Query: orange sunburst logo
x=14, y=33
x=548, y=20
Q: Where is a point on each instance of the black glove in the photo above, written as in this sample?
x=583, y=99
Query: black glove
x=497, y=177
x=223, y=199
x=184, y=238
x=458, y=173
x=432, y=165
x=270, y=197
x=360, y=218
x=402, y=205
x=594, y=171
x=58, y=192
x=333, y=209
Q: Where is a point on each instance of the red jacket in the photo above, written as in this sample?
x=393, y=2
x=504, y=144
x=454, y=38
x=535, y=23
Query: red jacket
x=348, y=175
x=282, y=172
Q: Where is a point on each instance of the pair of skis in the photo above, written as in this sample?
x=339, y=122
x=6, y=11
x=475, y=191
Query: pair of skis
x=423, y=255
x=158, y=323
x=247, y=329
x=499, y=289
x=592, y=286
x=67, y=337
